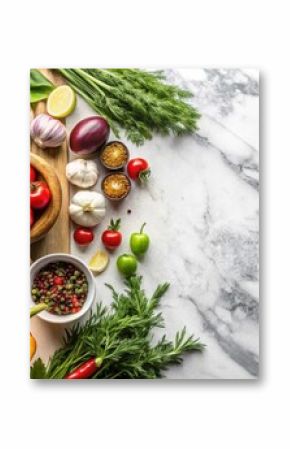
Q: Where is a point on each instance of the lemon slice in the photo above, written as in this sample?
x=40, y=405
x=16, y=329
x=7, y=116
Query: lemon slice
x=99, y=262
x=61, y=102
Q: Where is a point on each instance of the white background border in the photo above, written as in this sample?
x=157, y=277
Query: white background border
x=141, y=414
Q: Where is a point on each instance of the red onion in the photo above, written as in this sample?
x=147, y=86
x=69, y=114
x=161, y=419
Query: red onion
x=89, y=135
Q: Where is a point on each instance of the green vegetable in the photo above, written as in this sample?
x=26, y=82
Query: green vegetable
x=38, y=370
x=139, y=242
x=37, y=309
x=122, y=338
x=139, y=102
x=127, y=264
x=40, y=87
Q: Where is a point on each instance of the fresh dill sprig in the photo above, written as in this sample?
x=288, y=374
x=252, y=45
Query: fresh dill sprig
x=137, y=101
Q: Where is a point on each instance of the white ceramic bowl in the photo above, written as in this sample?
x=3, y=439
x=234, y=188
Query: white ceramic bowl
x=60, y=257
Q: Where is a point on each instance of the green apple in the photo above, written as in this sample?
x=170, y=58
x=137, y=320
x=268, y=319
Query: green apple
x=127, y=264
x=139, y=242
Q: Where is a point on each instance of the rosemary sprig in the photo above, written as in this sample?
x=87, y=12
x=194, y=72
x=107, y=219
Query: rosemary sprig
x=122, y=337
x=140, y=102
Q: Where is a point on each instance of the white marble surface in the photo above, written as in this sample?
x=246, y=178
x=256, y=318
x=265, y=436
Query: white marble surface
x=201, y=209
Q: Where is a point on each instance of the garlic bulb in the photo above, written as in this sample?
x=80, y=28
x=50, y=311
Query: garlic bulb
x=47, y=132
x=82, y=173
x=87, y=208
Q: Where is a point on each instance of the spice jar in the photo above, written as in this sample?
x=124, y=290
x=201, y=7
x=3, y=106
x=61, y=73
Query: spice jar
x=116, y=186
x=114, y=155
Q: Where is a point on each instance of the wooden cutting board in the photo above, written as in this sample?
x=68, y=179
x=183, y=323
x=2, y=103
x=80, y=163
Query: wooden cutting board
x=57, y=240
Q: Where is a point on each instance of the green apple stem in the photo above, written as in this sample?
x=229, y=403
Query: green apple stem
x=142, y=227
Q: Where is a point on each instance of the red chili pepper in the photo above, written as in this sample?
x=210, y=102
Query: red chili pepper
x=86, y=370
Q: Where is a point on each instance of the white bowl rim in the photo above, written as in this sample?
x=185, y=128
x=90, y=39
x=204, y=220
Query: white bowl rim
x=49, y=258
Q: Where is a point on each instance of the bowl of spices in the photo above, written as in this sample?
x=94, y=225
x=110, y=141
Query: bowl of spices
x=114, y=155
x=65, y=284
x=116, y=186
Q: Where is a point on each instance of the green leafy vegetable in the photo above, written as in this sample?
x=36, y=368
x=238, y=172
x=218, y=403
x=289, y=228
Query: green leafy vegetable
x=38, y=370
x=139, y=102
x=40, y=87
x=122, y=337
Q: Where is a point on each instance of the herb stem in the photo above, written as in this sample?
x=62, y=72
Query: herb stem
x=122, y=337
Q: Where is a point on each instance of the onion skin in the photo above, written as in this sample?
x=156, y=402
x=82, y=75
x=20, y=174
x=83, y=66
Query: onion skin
x=89, y=135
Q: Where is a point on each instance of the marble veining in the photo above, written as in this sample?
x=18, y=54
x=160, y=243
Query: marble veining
x=221, y=94
x=201, y=207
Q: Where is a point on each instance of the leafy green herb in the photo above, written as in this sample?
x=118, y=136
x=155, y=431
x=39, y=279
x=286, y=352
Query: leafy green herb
x=122, y=337
x=40, y=87
x=139, y=102
x=38, y=370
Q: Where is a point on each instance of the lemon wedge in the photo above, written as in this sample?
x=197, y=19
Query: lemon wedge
x=33, y=346
x=99, y=262
x=61, y=102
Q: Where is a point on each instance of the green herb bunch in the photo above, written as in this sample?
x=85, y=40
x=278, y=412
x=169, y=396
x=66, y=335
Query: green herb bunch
x=122, y=337
x=140, y=102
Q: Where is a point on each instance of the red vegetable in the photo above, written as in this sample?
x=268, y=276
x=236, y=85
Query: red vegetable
x=138, y=168
x=83, y=236
x=33, y=174
x=31, y=217
x=112, y=237
x=86, y=370
x=89, y=135
x=58, y=280
x=39, y=195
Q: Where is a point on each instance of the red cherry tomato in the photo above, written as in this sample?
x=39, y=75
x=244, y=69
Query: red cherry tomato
x=33, y=174
x=138, y=168
x=112, y=237
x=83, y=236
x=31, y=217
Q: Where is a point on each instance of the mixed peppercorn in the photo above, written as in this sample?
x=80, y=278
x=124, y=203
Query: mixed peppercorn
x=62, y=286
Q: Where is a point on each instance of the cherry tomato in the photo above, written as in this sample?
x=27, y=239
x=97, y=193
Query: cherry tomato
x=33, y=174
x=39, y=195
x=83, y=236
x=112, y=237
x=138, y=169
x=31, y=217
